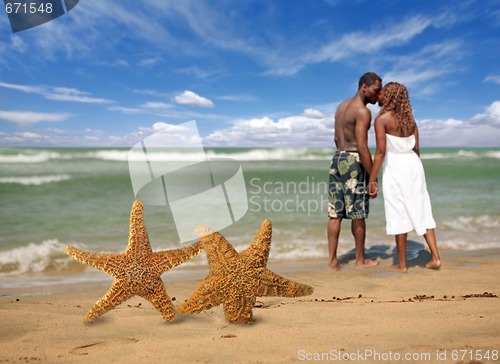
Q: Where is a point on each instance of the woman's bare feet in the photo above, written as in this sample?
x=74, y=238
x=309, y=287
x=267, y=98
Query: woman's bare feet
x=434, y=264
x=400, y=269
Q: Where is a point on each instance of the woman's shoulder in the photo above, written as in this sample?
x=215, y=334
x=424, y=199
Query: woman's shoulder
x=388, y=122
x=386, y=115
x=385, y=118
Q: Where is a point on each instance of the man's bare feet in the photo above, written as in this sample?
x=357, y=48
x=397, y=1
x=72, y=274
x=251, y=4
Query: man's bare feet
x=433, y=264
x=367, y=263
x=335, y=265
x=400, y=269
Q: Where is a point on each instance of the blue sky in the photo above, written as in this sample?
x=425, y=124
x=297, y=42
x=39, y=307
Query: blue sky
x=250, y=72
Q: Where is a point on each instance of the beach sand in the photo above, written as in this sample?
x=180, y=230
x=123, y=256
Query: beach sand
x=372, y=315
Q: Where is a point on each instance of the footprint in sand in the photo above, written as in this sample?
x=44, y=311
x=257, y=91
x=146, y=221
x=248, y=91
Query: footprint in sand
x=102, y=345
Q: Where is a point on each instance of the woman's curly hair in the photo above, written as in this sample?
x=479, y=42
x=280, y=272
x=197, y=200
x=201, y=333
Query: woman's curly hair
x=396, y=99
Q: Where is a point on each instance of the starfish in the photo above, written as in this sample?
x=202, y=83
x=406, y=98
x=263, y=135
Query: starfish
x=235, y=280
x=137, y=271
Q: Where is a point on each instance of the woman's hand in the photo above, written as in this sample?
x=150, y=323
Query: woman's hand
x=373, y=189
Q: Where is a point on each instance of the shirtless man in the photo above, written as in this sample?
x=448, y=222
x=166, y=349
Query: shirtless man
x=350, y=169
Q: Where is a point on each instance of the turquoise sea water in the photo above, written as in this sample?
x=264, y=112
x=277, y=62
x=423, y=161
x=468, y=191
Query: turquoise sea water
x=53, y=197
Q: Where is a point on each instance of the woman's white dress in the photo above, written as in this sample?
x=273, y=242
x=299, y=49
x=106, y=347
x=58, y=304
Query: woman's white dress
x=406, y=200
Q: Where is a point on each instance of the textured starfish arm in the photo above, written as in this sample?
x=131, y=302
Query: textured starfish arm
x=238, y=306
x=272, y=284
x=257, y=254
x=160, y=299
x=116, y=295
x=220, y=253
x=138, y=241
x=169, y=259
x=207, y=295
x=105, y=262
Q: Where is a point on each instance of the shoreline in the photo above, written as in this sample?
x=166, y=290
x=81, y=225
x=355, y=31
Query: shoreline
x=442, y=313
x=196, y=272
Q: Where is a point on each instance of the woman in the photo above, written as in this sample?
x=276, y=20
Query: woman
x=406, y=201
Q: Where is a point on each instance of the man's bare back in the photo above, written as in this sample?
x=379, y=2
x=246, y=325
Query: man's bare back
x=345, y=123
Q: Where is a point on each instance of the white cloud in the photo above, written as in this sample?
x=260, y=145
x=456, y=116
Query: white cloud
x=28, y=139
x=312, y=128
x=24, y=88
x=28, y=117
x=149, y=62
x=150, y=92
x=166, y=111
x=206, y=28
x=166, y=127
x=352, y=44
x=493, y=78
x=422, y=71
x=17, y=44
x=315, y=129
x=490, y=117
x=192, y=99
x=29, y=135
x=94, y=18
x=242, y=98
x=74, y=95
x=57, y=93
x=481, y=130
x=368, y=42
x=431, y=124
x=156, y=105
x=313, y=114
x=463, y=136
x=199, y=72
x=126, y=110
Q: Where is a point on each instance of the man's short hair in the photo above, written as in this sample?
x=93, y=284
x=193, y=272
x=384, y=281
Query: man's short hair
x=369, y=78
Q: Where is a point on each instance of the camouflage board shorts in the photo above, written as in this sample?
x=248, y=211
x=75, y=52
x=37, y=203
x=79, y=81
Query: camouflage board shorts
x=348, y=197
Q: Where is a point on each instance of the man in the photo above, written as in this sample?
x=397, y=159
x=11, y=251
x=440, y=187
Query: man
x=350, y=169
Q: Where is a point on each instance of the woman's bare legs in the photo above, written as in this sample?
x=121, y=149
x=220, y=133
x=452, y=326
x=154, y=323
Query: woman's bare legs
x=430, y=238
x=401, y=248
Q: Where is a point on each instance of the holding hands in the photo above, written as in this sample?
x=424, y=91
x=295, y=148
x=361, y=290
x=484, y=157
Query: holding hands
x=373, y=189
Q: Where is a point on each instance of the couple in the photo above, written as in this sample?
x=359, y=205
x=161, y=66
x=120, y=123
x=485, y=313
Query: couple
x=406, y=201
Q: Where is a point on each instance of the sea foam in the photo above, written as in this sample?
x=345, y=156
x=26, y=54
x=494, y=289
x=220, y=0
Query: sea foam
x=38, y=157
x=35, y=180
x=33, y=258
x=472, y=223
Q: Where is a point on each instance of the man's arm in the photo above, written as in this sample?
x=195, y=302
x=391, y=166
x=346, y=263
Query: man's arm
x=339, y=130
x=363, y=121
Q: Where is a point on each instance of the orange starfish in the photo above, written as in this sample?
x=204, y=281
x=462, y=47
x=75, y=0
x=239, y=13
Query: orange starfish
x=235, y=280
x=137, y=271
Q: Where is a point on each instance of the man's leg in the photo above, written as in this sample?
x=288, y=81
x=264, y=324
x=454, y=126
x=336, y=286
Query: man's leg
x=333, y=232
x=358, y=229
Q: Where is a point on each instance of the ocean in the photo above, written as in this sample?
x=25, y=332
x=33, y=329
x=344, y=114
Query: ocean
x=51, y=197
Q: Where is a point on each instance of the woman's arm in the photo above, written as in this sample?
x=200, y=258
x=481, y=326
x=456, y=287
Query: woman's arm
x=416, y=147
x=378, y=160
